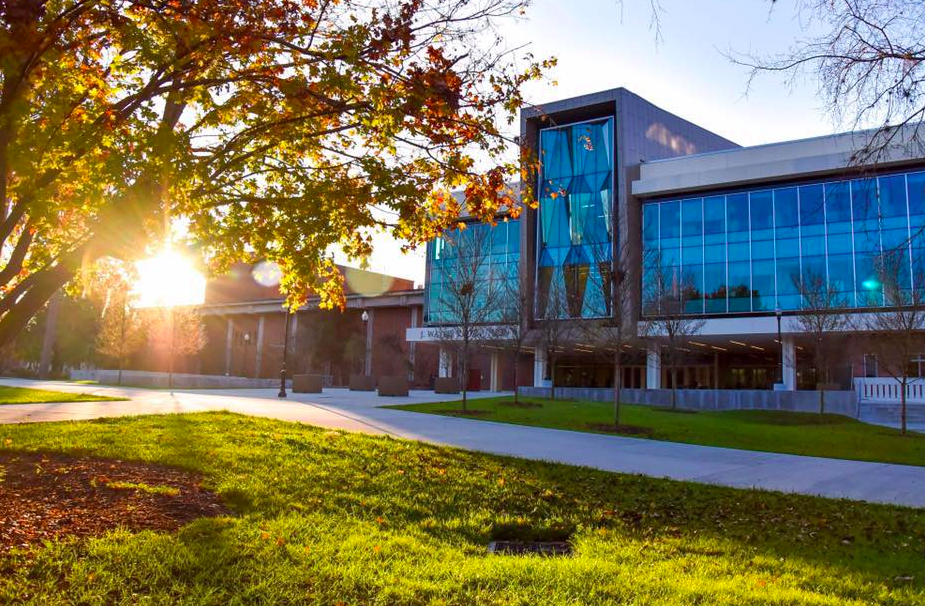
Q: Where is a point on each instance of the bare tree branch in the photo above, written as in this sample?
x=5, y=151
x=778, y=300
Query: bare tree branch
x=868, y=64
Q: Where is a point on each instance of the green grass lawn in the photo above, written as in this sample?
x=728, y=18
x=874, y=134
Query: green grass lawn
x=23, y=395
x=796, y=433
x=327, y=517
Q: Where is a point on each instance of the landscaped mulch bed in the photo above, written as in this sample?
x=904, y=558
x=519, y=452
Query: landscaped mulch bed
x=47, y=495
x=625, y=430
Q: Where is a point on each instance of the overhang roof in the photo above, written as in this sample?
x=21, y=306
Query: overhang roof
x=811, y=157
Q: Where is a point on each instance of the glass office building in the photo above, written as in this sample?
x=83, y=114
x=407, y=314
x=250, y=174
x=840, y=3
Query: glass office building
x=575, y=232
x=498, y=263
x=750, y=250
x=738, y=231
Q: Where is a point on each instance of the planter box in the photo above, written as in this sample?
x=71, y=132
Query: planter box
x=307, y=383
x=446, y=385
x=393, y=386
x=362, y=383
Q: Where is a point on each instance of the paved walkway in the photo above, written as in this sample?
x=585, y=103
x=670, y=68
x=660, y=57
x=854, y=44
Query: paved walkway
x=358, y=411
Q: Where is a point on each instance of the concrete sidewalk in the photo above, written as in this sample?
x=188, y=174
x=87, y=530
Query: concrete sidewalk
x=358, y=411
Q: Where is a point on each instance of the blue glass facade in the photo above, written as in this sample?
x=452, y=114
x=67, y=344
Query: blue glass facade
x=498, y=269
x=747, y=251
x=575, y=236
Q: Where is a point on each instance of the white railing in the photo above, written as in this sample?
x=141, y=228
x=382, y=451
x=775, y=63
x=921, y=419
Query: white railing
x=888, y=390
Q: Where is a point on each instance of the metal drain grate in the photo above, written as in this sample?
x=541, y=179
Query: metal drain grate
x=549, y=548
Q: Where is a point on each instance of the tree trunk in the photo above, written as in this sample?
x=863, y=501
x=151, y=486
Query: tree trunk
x=464, y=379
x=617, y=386
x=516, y=389
x=902, y=406
x=552, y=381
x=51, y=329
x=173, y=352
x=674, y=386
x=121, y=340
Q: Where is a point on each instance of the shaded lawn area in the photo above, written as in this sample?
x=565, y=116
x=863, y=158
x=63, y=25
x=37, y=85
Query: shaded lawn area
x=327, y=517
x=811, y=434
x=24, y=395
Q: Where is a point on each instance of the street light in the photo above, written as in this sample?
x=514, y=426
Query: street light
x=780, y=342
x=247, y=340
x=282, y=372
x=365, y=317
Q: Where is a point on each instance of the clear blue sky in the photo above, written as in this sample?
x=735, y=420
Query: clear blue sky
x=601, y=45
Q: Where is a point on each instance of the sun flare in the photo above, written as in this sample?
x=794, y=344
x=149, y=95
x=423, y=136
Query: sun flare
x=168, y=279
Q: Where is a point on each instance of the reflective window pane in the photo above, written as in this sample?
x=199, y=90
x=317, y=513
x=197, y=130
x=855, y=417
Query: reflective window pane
x=739, y=287
x=838, y=207
x=786, y=212
x=763, y=295
x=715, y=288
x=670, y=220
x=893, y=196
x=761, y=205
x=650, y=225
x=739, y=251
x=864, y=200
x=916, y=191
x=715, y=253
x=692, y=285
x=692, y=218
x=841, y=273
x=737, y=217
x=692, y=255
x=812, y=207
x=714, y=215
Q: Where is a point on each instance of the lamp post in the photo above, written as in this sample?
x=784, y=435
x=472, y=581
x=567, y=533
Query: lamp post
x=247, y=340
x=282, y=372
x=365, y=318
x=780, y=343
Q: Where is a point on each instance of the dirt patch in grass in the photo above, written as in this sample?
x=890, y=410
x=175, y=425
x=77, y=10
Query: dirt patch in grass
x=522, y=404
x=465, y=413
x=677, y=411
x=47, y=495
x=625, y=430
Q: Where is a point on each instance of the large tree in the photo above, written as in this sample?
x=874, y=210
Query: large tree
x=273, y=129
